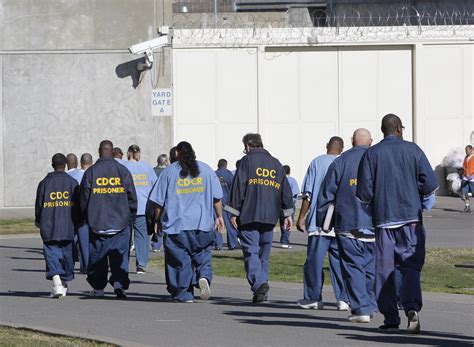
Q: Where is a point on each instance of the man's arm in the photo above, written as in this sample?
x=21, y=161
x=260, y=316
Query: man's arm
x=300, y=225
x=85, y=191
x=427, y=182
x=306, y=189
x=131, y=193
x=219, y=222
x=238, y=190
x=39, y=204
x=327, y=194
x=365, y=181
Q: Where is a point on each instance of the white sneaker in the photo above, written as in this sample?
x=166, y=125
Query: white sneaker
x=316, y=305
x=205, y=289
x=363, y=318
x=96, y=292
x=413, y=322
x=343, y=306
x=286, y=246
x=58, y=291
x=132, y=248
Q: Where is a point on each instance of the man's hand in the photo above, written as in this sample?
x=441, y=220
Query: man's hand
x=288, y=223
x=233, y=221
x=300, y=225
x=219, y=224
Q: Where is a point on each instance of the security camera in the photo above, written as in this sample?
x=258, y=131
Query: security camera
x=147, y=48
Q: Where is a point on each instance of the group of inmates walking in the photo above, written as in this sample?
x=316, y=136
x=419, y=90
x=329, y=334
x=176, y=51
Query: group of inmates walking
x=363, y=207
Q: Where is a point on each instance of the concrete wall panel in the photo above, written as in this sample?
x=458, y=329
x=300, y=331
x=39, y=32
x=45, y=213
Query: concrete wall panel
x=76, y=24
x=67, y=103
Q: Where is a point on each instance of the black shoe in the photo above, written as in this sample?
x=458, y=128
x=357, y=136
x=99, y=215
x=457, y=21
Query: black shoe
x=140, y=271
x=388, y=328
x=261, y=294
x=467, y=209
x=120, y=293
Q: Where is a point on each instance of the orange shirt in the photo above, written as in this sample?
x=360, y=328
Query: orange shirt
x=468, y=166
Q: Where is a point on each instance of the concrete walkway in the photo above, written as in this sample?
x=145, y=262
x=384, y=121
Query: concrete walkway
x=148, y=317
x=446, y=227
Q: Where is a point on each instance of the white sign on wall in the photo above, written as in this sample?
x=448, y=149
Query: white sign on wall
x=162, y=102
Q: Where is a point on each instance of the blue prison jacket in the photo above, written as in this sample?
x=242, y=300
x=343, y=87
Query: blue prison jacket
x=260, y=190
x=108, y=196
x=226, y=178
x=339, y=188
x=57, y=207
x=394, y=176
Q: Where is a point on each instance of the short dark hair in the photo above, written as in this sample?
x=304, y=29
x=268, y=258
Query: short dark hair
x=336, y=141
x=390, y=122
x=287, y=169
x=86, y=158
x=106, y=144
x=469, y=146
x=237, y=164
x=253, y=140
x=222, y=163
x=59, y=160
x=117, y=150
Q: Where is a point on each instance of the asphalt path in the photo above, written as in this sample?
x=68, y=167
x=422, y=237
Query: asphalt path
x=149, y=317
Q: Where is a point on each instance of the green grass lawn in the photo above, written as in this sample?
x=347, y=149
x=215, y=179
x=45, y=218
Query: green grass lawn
x=26, y=337
x=438, y=275
x=17, y=226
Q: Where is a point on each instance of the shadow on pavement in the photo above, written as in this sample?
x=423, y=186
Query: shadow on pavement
x=226, y=301
x=423, y=339
x=25, y=258
x=320, y=322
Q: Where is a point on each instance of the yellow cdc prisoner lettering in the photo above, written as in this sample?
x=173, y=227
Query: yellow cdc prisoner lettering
x=59, y=195
x=58, y=199
x=104, y=181
x=353, y=182
x=184, y=182
x=265, y=172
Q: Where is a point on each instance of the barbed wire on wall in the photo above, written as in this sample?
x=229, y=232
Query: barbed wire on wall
x=300, y=26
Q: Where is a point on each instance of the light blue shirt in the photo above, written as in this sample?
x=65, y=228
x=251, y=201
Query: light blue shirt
x=311, y=185
x=295, y=189
x=144, y=178
x=188, y=202
x=77, y=174
x=121, y=161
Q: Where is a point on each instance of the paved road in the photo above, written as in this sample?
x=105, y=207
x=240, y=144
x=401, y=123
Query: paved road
x=446, y=226
x=148, y=317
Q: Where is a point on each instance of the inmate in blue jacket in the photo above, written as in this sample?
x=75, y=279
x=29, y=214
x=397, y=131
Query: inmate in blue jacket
x=312, y=183
x=225, y=177
x=339, y=188
x=57, y=207
x=188, y=202
x=144, y=179
x=260, y=190
x=395, y=176
x=108, y=197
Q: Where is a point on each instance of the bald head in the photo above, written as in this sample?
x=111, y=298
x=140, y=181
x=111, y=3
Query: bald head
x=105, y=148
x=361, y=137
x=71, y=160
